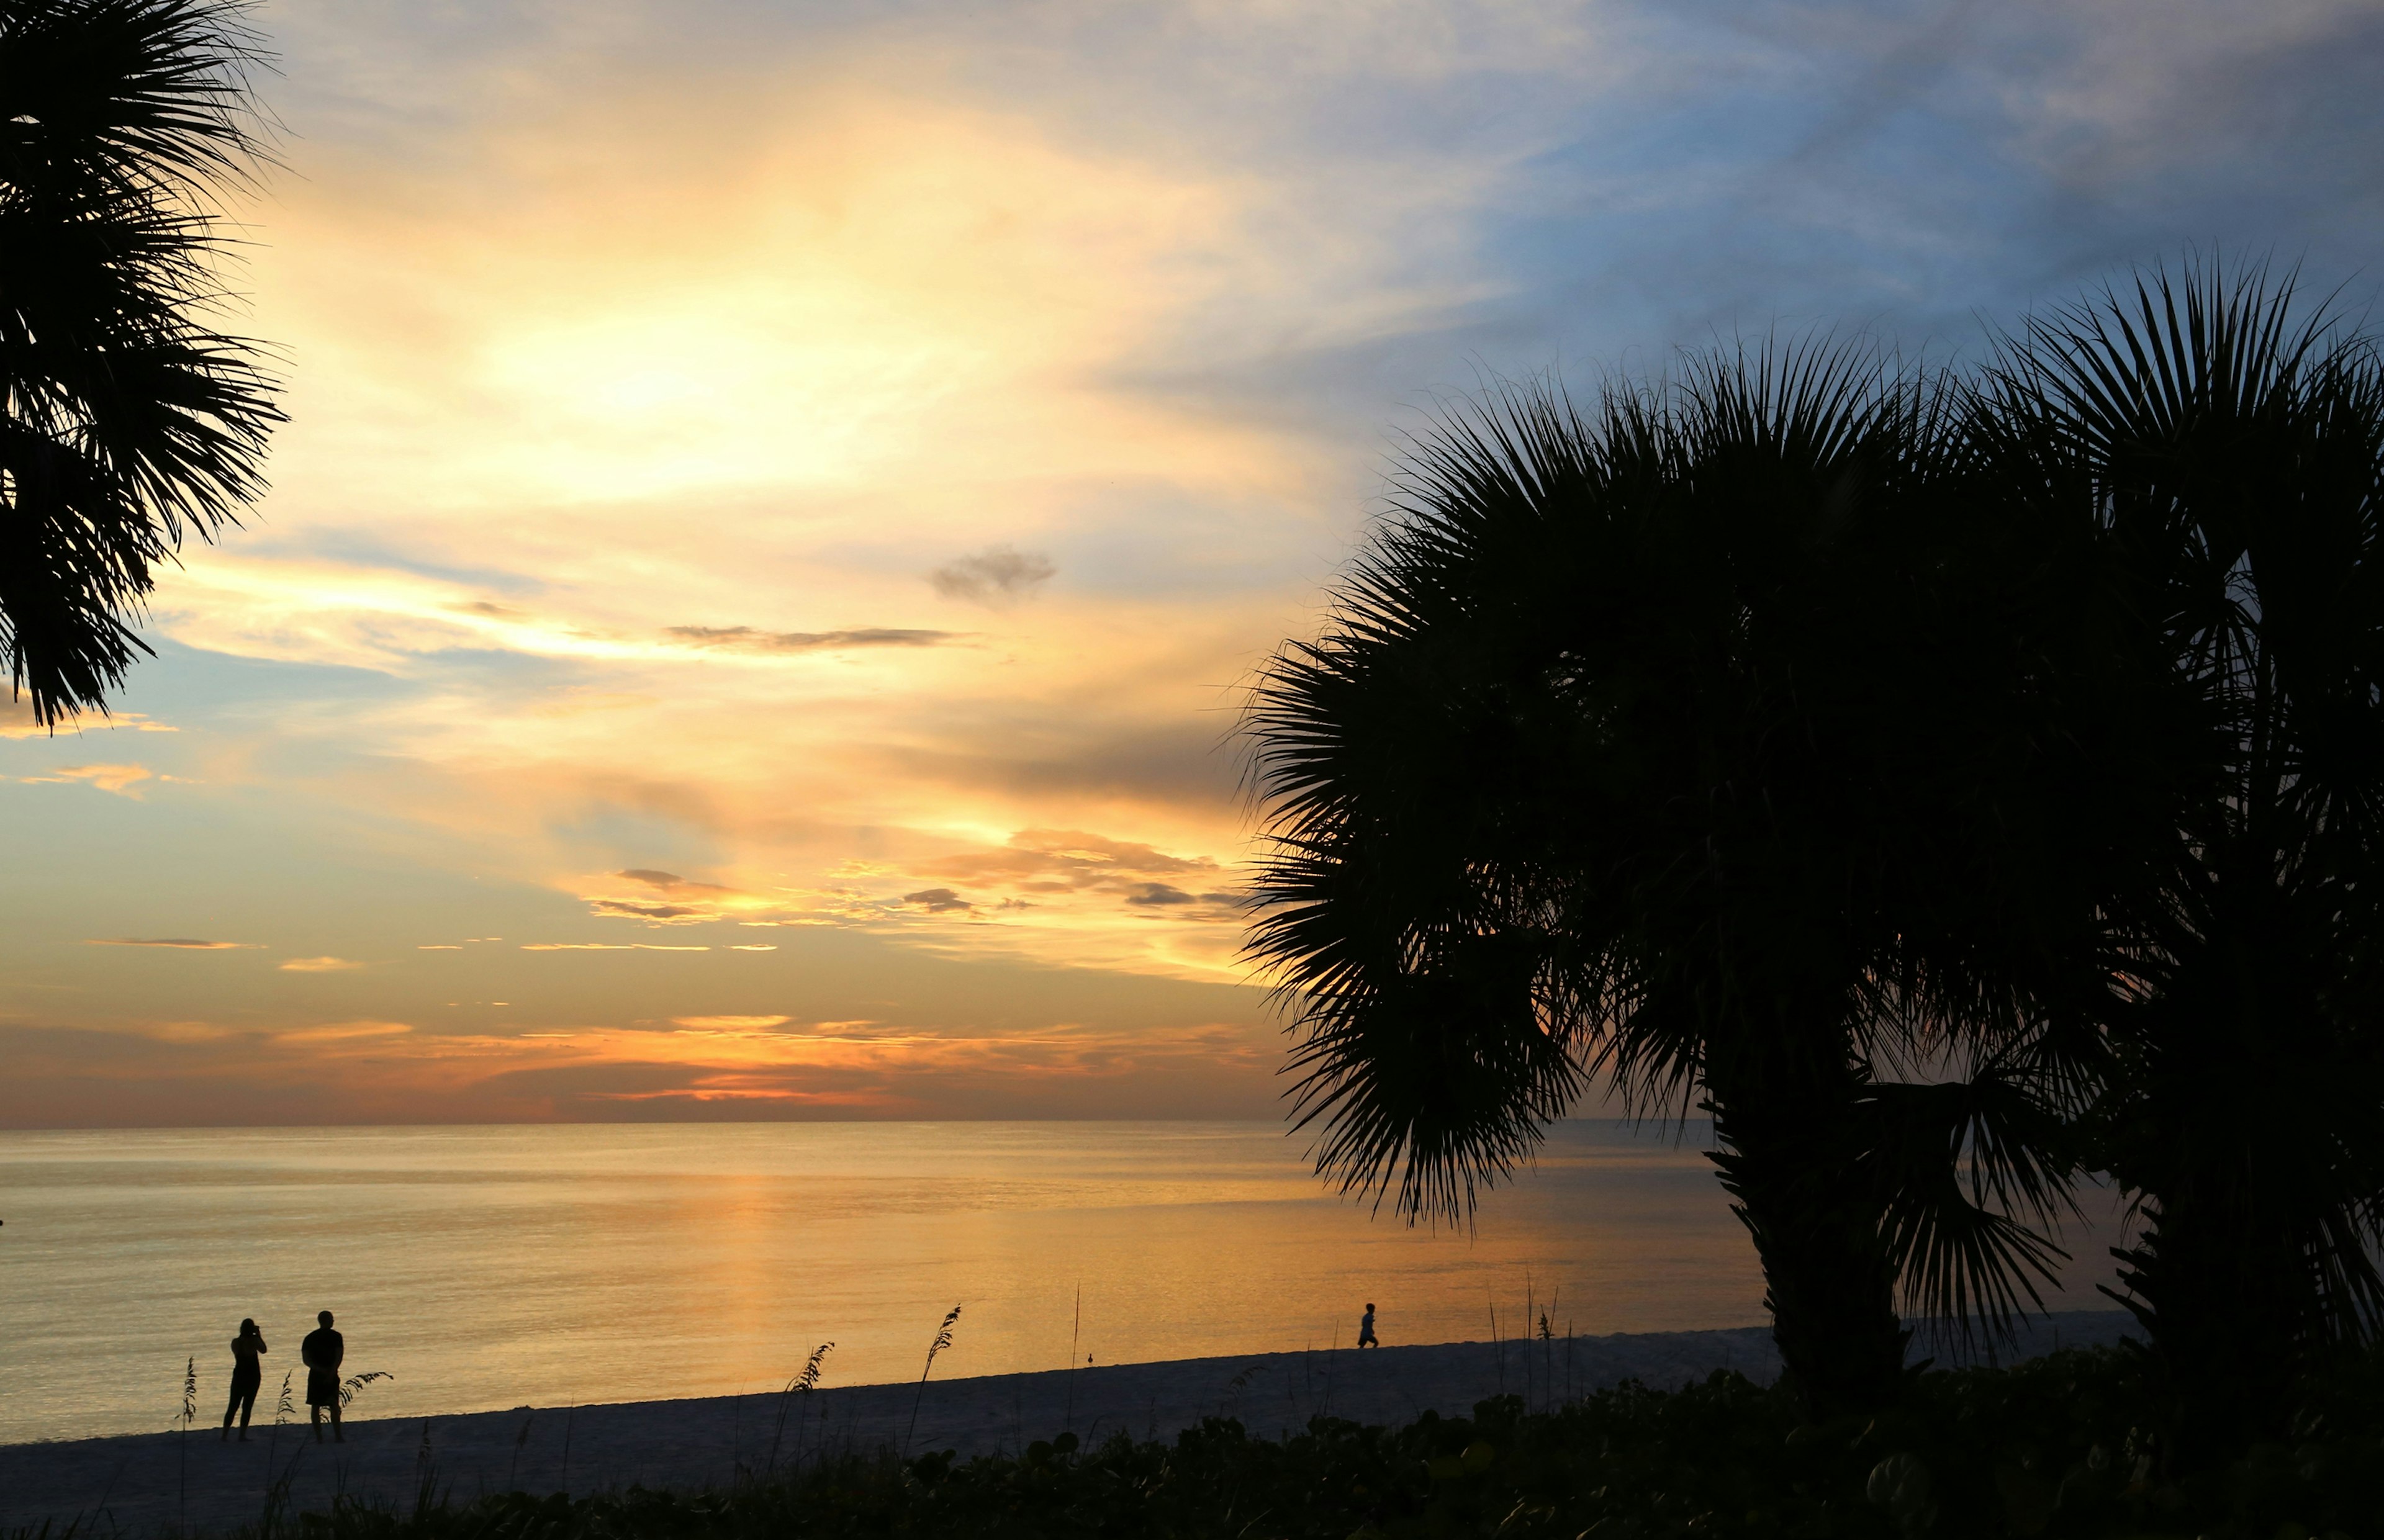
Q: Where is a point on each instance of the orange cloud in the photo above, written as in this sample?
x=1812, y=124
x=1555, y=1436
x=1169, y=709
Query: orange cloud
x=117, y=778
x=16, y=721
x=667, y=899
x=1069, y=857
x=396, y=1070
x=728, y=1088
x=318, y=965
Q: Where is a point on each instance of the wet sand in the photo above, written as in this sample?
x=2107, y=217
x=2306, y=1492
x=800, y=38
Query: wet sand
x=144, y=1483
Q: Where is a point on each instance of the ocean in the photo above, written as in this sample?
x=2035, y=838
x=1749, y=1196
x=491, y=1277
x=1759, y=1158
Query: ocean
x=483, y=1267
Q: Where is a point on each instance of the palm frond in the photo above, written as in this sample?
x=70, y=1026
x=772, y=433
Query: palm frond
x=130, y=418
x=1972, y=1175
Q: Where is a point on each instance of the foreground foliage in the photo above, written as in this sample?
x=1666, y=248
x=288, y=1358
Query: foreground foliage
x=2055, y=1448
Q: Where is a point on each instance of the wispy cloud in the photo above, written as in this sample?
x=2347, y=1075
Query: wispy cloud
x=661, y=914
x=604, y=946
x=118, y=779
x=1052, y=860
x=669, y=882
x=674, y=900
x=178, y=943
x=318, y=965
x=341, y=1031
x=16, y=721
x=745, y=638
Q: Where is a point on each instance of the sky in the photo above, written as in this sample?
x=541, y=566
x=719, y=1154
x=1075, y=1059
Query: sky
x=781, y=504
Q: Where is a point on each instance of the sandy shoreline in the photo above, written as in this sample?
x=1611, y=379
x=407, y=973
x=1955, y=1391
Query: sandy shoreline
x=144, y=1483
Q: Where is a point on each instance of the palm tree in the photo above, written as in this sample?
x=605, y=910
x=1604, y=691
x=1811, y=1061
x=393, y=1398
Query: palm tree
x=129, y=419
x=2229, y=458
x=1623, y=757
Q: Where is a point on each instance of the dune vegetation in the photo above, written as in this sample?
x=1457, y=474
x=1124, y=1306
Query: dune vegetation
x=2058, y=1447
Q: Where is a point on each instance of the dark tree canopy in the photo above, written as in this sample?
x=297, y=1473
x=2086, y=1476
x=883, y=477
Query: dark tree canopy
x=1956, y=784
x=1624, y=757
x=2225, y=442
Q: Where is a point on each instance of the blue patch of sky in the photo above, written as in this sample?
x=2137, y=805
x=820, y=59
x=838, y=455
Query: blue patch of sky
x=618, y=838
x=363, y=549
x=240, y=863
x=191, y=684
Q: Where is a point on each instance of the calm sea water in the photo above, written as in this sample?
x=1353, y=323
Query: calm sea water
x=496, y=1267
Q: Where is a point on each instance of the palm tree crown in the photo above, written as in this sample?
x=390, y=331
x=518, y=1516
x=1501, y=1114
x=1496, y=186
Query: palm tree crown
x=129, y=419
x=1618, y=759
x=2227, y=454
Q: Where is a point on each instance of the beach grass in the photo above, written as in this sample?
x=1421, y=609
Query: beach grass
x=800, y=1388
x=2057, y=1448
x=943, y=1340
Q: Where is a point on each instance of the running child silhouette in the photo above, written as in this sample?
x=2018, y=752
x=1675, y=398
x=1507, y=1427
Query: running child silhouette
x=1366, y=1338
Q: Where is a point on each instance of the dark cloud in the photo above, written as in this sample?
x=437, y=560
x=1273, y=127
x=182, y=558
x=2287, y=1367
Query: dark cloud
x=938, y=901
x=994, y=574
x=668, y=882
x=745, y=638
x=676, y=901
x=1059, y=861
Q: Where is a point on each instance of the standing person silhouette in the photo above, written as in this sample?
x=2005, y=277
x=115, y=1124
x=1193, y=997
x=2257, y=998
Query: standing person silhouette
x=323, y=1351
x=1366, y=1338
x=247, y=1376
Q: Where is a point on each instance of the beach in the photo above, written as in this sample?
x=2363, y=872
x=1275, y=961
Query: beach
x=146, y=1482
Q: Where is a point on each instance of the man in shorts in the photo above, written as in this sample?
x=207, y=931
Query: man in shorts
x=322, y=1352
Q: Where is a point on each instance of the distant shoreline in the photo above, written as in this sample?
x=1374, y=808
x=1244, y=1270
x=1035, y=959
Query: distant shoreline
x=130, y=1479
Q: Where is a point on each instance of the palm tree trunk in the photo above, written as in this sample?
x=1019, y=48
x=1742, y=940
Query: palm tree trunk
x=2220, y=1280
x=2222, y=1301
x=2214, y=1134
x=1790, y=1160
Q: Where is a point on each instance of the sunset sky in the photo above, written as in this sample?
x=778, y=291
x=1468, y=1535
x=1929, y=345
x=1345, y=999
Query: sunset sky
x=781, y=502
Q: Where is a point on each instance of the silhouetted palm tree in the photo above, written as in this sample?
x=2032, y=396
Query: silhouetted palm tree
x=1628, y=752
x=2229, y=459
x=129, y=419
